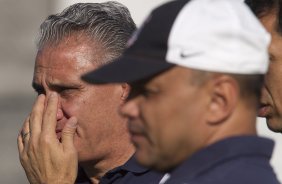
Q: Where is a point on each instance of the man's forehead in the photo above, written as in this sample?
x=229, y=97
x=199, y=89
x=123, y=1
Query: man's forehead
x=60, y=73
x=272, y=23
x=64, y=63
x=74, y=47
x=269, y=21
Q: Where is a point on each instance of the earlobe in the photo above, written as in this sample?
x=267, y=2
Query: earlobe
x=125, y=91
x=224, y=97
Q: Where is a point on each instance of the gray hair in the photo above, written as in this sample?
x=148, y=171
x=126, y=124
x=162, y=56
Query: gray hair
x=110, y=24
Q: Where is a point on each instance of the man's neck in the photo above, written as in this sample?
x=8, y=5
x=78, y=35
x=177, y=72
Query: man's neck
x=95, y=171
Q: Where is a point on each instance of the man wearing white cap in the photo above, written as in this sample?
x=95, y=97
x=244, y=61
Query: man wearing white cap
x=196, y=69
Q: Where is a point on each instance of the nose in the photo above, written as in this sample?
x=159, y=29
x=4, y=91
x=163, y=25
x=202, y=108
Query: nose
x=130, y=109
x=60, y=114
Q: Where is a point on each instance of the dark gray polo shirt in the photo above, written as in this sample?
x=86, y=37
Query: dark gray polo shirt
x=129, y=173
x=236, y=160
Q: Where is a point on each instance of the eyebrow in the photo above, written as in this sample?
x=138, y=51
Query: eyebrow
x=37, y=87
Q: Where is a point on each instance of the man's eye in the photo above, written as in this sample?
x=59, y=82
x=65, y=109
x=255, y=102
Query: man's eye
x=63, y=90
x=67, y=91
x=141, y=91
x=149, y=92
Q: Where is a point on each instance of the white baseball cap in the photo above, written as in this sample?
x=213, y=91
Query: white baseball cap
x=209, y=35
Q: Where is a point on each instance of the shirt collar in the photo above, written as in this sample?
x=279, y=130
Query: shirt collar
x=130, y=166
x=223, y=150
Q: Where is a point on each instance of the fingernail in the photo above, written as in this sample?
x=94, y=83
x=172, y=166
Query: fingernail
x=53, y=95
x=72, y=122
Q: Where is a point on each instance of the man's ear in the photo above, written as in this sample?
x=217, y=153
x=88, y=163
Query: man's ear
x=224, y=98
x=125, y=91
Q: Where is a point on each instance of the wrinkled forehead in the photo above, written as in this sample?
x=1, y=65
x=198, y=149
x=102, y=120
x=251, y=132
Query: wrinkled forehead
x=75, y=45
x=69, y=53
x=56, y=58
x=63, y=63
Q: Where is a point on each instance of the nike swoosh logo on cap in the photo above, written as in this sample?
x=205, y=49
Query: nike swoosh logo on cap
x=185, y=55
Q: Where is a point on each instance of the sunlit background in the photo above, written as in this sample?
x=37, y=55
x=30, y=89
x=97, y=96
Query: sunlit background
x=19, y=22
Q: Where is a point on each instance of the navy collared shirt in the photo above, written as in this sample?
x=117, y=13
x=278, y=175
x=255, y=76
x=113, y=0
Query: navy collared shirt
x=129, y=173
x=236, y=160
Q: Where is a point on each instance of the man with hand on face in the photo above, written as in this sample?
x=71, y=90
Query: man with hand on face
x=196, y=71
x=270, y=14
x=73, y=122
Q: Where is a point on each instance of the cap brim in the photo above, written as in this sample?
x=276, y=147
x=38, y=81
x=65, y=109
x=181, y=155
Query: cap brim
x=126, y=69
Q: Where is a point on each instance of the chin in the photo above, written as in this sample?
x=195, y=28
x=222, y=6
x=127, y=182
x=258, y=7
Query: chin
x=150, y=160
x=274, y=125
x=144, y=158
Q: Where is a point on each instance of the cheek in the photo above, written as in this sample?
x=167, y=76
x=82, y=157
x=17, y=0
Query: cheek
x=274, y=75
x=74, y=107
x=270, y=78
x=160, y=121
x=179, y=123
x=273, y=82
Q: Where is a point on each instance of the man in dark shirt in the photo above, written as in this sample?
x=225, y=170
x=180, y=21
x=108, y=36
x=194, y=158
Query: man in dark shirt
x=73, y=122
x=270, y=14
x=131, y=172
x=196, y=70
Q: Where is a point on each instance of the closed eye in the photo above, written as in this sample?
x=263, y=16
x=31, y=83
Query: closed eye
x=142, y=88
x=61, y=89
x=65, y=90
x=147, y=92
x=143, y=91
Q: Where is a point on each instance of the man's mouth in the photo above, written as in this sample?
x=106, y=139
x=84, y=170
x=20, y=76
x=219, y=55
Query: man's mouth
x=264, y=110
x=135, y=134
x=136, y=138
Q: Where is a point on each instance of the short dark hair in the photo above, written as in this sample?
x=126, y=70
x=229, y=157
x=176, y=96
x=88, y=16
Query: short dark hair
x=262, y=8
x=110, y=24
x=250, y=85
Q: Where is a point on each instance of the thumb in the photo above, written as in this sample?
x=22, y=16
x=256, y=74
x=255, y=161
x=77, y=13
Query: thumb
x=68, y=132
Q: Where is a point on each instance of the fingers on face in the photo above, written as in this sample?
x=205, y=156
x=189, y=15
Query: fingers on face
x=36, y=116
x=40, y=125
x=25, y=134
x=31, y=124
x=50, y=115
x=23, y=137
x=68, y=133
x=20, y=143
x=41, y=119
